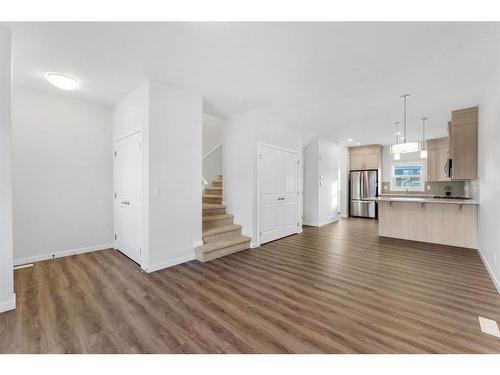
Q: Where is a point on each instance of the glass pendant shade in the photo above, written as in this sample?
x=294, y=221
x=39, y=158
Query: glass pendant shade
x=403, y=148
x=397, y=156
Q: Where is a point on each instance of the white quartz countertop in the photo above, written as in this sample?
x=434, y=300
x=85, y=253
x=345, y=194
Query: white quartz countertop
x=423, y=200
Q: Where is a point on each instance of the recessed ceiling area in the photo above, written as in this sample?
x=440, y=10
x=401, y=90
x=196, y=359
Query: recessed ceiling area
x=341, y=80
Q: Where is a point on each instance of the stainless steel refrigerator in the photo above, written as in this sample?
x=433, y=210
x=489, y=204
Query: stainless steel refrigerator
x=363, y=185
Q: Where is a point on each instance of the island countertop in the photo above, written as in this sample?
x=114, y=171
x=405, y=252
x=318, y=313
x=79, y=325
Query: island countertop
x=409, y=199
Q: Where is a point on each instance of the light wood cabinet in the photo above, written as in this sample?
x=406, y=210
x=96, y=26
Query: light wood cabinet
x=463, y=134
x=437, y=158
x=365, y=157
x=442, y=223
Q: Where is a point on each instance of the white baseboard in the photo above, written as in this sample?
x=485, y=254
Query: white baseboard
x=60, y=254
x=329, y=221
x=8, y=305
x=197, y=243
x=169, y=263
x=488, y=268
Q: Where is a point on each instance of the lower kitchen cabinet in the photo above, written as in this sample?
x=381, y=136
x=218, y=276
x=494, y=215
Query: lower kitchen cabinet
x=442, y=223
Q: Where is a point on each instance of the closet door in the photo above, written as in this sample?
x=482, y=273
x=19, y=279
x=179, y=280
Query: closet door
x=128, y=198
x=278, y=183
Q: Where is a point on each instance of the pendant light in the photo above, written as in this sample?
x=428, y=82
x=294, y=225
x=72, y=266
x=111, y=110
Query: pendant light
x=423, y=152
x=397, y=133
x=401, y=148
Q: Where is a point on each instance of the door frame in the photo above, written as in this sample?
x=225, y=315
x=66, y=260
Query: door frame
x=258, y=197
x=143, y=214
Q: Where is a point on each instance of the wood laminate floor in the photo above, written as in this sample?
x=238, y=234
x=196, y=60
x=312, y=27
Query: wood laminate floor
x=336, y=289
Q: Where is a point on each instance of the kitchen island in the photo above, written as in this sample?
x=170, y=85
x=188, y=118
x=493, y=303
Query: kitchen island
x=442, y=221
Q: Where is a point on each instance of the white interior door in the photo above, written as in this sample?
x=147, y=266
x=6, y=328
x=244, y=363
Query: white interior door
x=278, y=176
x=128, y=199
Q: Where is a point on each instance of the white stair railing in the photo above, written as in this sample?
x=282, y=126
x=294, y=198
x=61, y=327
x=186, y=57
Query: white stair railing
x=204, y=180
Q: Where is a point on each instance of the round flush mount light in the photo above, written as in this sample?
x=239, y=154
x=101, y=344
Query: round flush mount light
x=357, y=144
x=349, y=140
x=63, y=81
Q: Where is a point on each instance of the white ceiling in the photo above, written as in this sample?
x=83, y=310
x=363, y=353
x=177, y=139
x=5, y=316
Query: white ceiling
x=338, y=79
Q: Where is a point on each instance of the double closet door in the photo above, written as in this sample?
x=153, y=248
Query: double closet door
x=278, y=193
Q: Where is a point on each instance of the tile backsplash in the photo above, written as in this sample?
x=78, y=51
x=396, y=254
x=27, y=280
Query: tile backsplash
x=431, y=188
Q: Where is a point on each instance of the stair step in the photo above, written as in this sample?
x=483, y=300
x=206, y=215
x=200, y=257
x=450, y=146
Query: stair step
x=217, y=183
x=224, y=232
x=210, y=190
x=213, y=221
x=221, y=248
x=213, y=209
x=210, y=198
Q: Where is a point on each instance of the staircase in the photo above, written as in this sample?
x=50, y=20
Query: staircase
x=220, y=235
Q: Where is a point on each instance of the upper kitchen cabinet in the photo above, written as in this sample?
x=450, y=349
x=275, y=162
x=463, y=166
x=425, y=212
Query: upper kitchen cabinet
x=463, y=134
x=437, y=159
x=365, y=157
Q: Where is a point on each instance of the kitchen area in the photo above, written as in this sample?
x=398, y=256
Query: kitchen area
x=424, y=191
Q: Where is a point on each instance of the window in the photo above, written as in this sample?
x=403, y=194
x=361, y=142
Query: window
x=407, y=176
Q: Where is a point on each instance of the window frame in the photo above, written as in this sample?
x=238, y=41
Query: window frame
x=418, y=163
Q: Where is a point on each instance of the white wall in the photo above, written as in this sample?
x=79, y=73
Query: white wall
x=62, y=175
x=132, y=112
x=344, y=180
x=213, y=128
x=7, y=297
x=242, y=134
x=321, y=184
x=175, y=152
x=329, y=184
x=489, y=178
x=311, y=183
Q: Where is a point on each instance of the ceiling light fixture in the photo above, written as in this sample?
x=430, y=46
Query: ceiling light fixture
x=63, y=81
x=349, y=140
x=402, y=148
x=357, y=144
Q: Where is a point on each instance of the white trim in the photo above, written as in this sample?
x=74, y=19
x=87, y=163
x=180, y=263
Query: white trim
x=322, y=224
x=169, y=263
x=60, y=254
x=212, y=150
x=198, y=243
x=253, y=245
x=258, y=221
x=490, y=271
x=23, y=266
x=9, y=304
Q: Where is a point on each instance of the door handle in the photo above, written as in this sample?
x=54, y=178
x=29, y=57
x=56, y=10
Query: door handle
x=126, y=202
